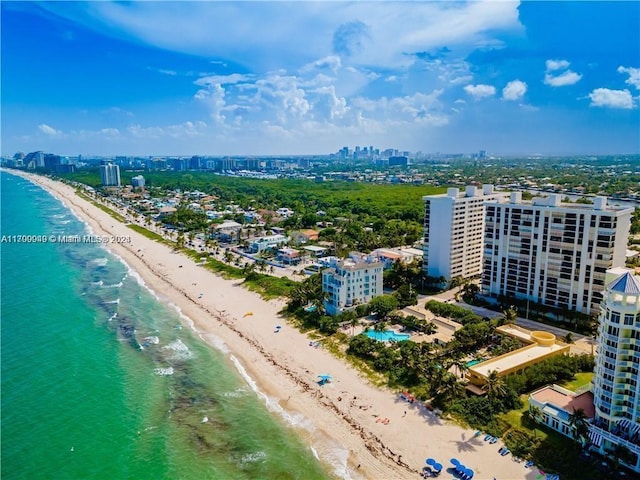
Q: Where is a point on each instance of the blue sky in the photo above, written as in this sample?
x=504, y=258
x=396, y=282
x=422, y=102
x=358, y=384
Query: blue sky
x=224, y=78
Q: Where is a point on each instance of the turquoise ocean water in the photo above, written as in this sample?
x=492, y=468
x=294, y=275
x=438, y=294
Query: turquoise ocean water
x=98, y=380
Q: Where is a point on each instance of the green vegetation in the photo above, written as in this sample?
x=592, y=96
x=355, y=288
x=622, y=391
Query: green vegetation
x=459, y=314
x=149, y=234
x=102, y=207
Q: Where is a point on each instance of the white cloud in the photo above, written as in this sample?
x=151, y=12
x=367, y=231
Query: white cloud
x=222, y=79
x=564, y=79
x=514, y=90
x=555, y=79
x=49, y=131
x=553, y=65
x=634, y=75
x=480, y=90
x=183, y=130
x=363, y=33
x=212, y=96
x=330, y=62
x=604, y=97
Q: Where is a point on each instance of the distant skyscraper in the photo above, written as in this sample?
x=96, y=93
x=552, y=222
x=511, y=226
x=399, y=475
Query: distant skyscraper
x=552, y=253
x=453, y=231
x=616, y=392
x=109, y=174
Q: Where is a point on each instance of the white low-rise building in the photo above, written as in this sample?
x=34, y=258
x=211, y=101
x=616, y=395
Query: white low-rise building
x=260, y=244
x=350, y=282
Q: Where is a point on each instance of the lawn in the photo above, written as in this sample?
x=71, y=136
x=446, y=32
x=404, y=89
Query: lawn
x=582, y=379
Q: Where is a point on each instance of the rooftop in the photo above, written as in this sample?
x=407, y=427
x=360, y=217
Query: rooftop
x=566, y=400
x=626, y=283
x=544, y=346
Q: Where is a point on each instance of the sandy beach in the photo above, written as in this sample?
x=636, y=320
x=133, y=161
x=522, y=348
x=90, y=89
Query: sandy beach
x=345, y=413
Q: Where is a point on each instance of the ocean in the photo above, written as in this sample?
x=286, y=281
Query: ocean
x=102, y=380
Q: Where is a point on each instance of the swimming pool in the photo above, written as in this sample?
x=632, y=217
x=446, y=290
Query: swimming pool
x=474, y=362
x=388, y=335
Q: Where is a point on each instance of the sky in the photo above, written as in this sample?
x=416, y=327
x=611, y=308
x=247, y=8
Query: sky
x=294, y=78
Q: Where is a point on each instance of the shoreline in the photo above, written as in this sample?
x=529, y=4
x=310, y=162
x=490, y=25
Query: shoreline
x=284, y=367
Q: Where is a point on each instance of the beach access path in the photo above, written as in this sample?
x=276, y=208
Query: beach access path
x=284, y=366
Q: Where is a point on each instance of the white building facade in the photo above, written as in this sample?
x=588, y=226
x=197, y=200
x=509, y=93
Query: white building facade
x=109, y=174
x=137, y=181
x=271, y=242
x=552, y=253
x=351, y=282
x=615, y=383
x=453, y=231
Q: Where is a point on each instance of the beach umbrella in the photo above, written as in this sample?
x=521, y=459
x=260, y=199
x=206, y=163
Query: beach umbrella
x=437, y=467
x=430, y=461
x=468, y=472
x=455, y=461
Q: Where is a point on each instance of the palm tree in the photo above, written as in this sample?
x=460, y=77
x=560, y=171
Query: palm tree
x=495, y=388
x=380, y=326
x=449, y=387
x=536, y=415
x=579, y=426
x=354, y=322
x=509, y=316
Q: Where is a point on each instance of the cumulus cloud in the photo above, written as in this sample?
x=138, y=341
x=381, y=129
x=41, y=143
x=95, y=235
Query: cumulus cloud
x=514, y=90
x=553, y=78
x=604, y=97
x=49, y=131
x=212, y=96
x=480, y=90
x=634, y=75
x=553, y=65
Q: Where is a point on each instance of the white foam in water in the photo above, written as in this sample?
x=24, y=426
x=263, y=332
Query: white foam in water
x=112, y=317
x=100, y=262
x=237, y=393
x=113, y=301
x=252, y=457
x=272, y=404
x=152, y=339
x=99, y=283
x=323, y=447
x=163, y=372
x=133, y=274
x=115, y=285
x=182, y=352
x=215, y=342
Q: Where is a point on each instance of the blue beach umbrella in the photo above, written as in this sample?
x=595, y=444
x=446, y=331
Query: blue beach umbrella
x=468, y=472
x=455, y=461
x=430, y=461
x=437, y=467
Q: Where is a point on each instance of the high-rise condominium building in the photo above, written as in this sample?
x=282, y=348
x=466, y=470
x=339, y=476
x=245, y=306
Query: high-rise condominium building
x=552, y=253
x=453, y=231
x=616, y=392
x=109, y=174
x=351, y=282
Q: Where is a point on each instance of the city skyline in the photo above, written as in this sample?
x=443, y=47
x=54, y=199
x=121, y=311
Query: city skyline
x=249, y=78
